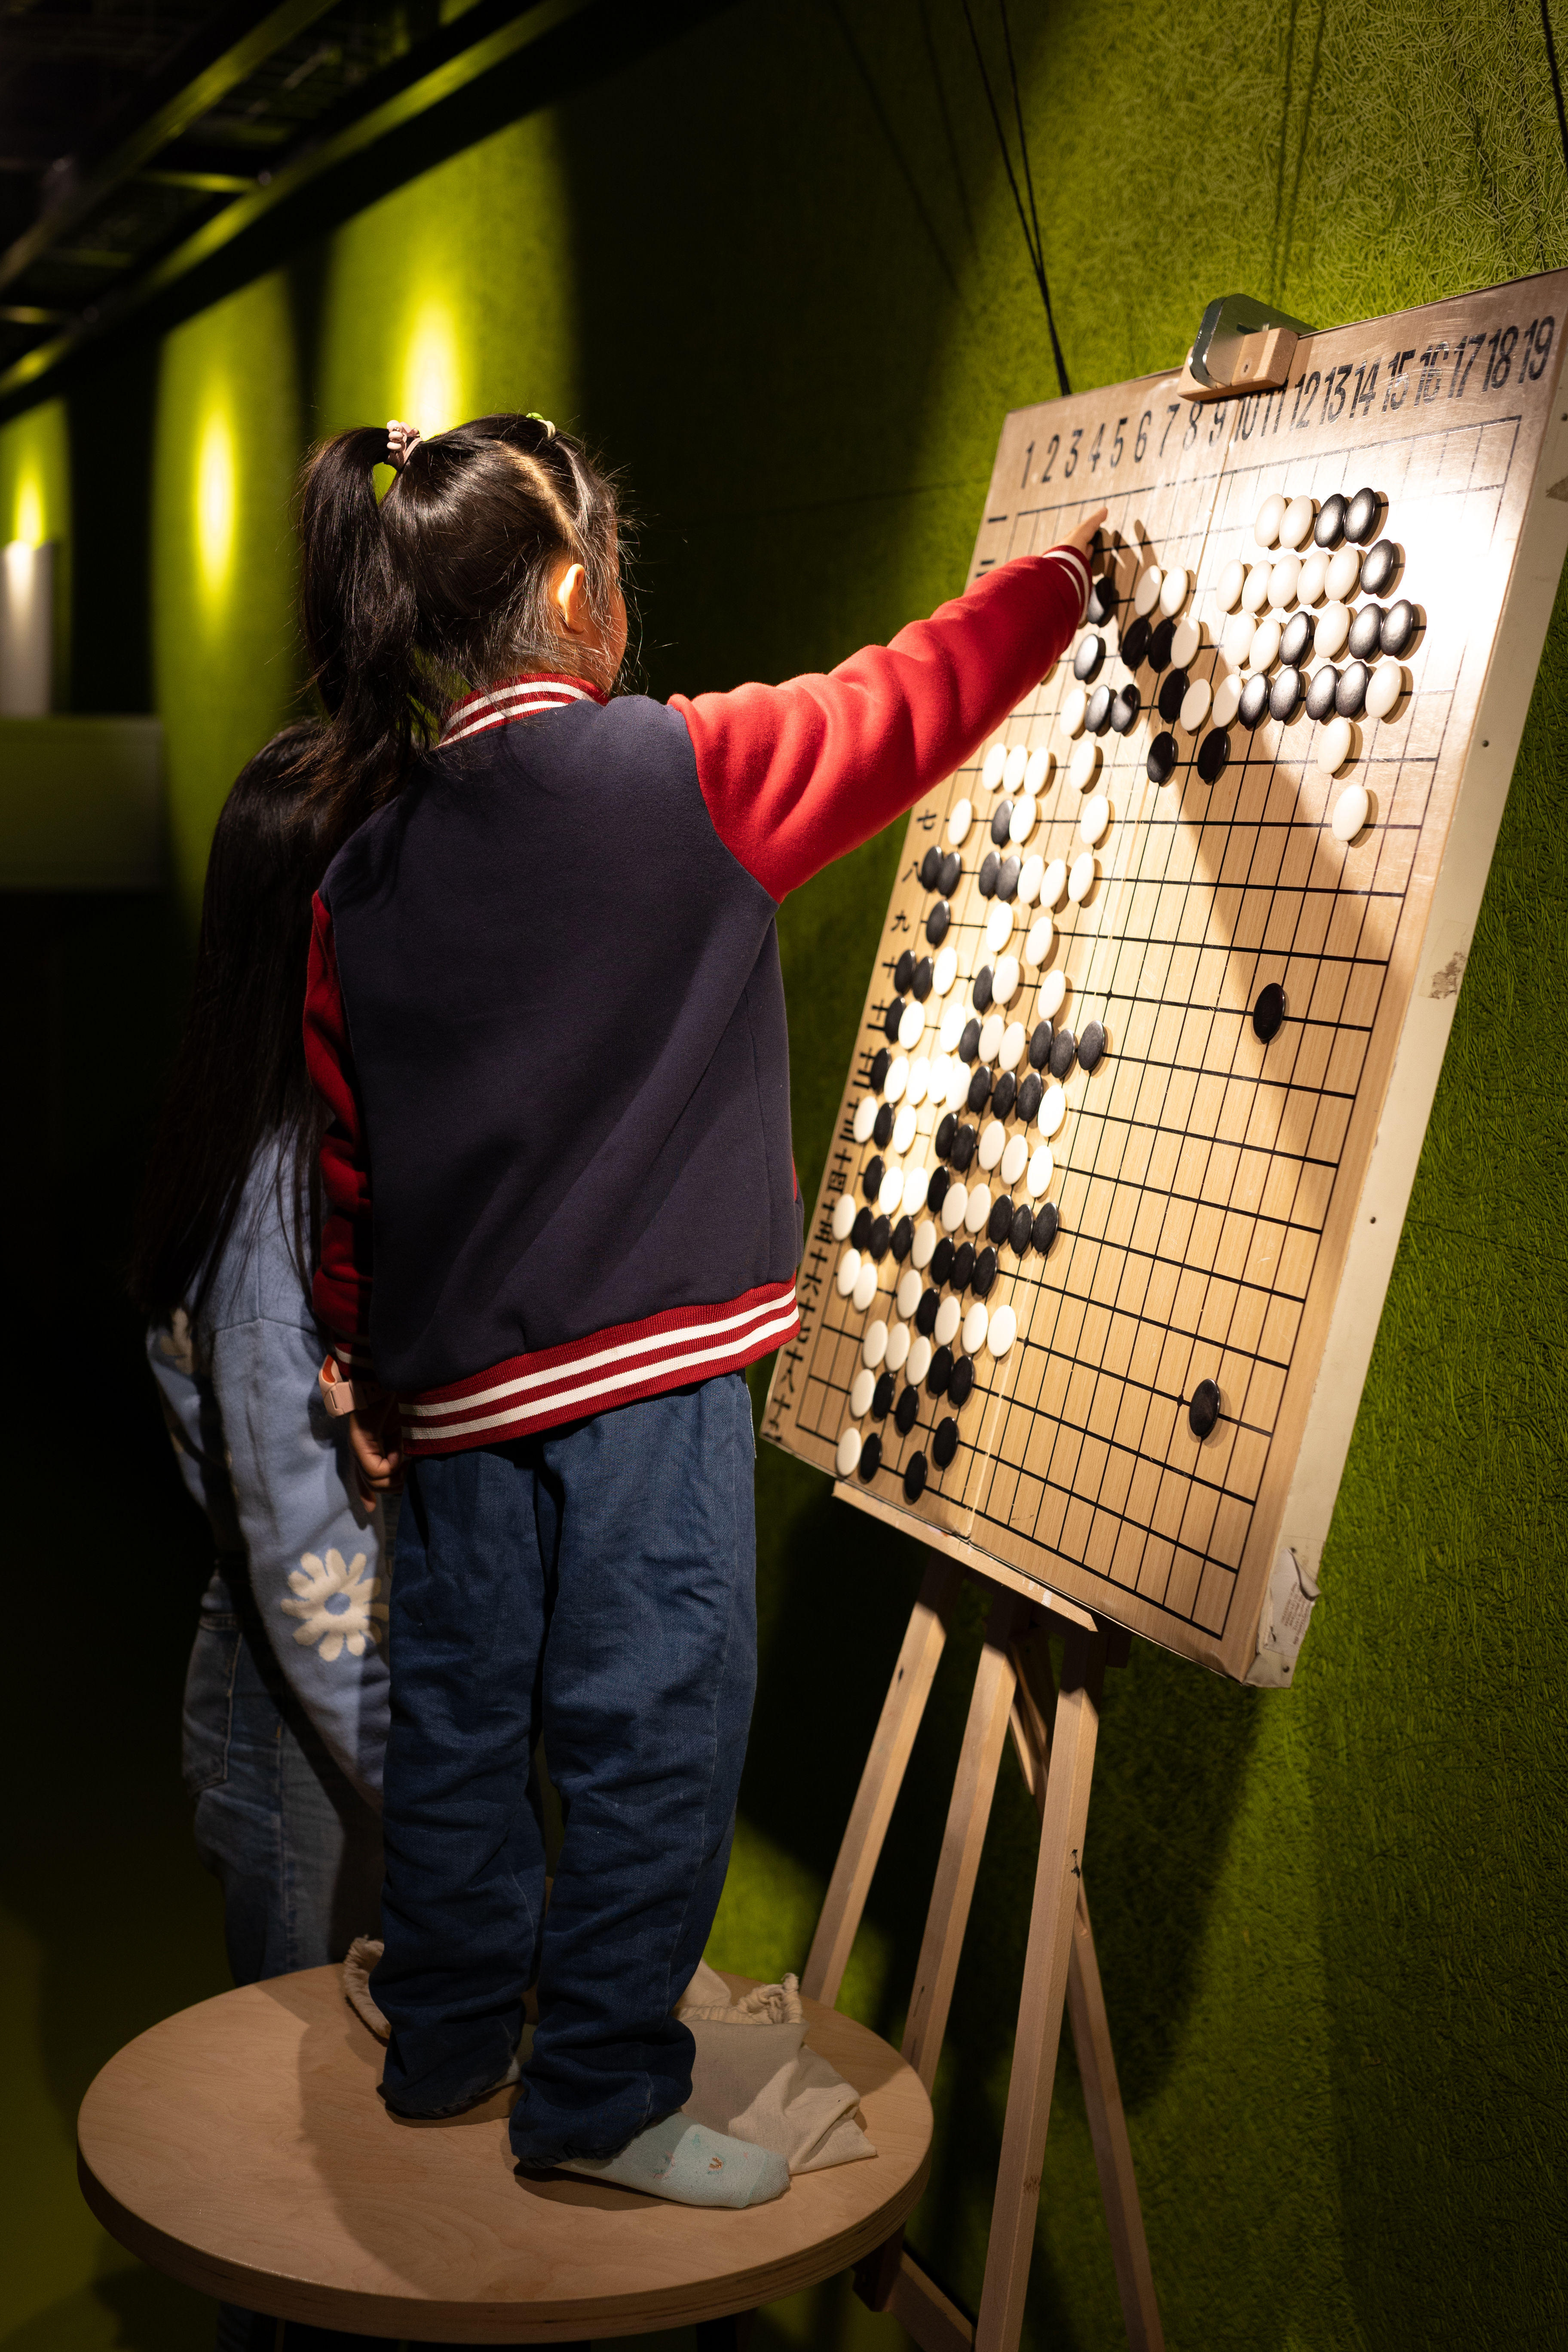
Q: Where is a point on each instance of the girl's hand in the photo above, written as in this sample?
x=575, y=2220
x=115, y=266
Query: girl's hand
x=375, y=1435
x=1081, y=537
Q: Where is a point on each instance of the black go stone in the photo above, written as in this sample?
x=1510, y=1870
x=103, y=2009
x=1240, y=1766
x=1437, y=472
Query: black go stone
x=1047, y=1224
x=920, y=986
x=969, y=1043
x=942, y=1261
x=1202, y=1408
x=1172, y=694
x=980, y=994
x=925, y=1313
x=1040, y=1046
x=903, y=1239
x=1102, y=599
x=1090, y=1046
x=871, y=1177
x=1007, y=880
x=882, y=1127
x=1003, y=1094
x=1214, y=753
x=936, y=1191
x=1001, y=818
x=1254, y=701
x=1321, y=691
x=1380, y=567
x=962, y=1382
x=1285, y=694
x=1089, y=657
x=984, y=1273
x=1097, y=718
x=1135, y=639
x=907, y=1412
x=879, y=1238
x=945, y=1445
x=881, y=1063
x=1366, y=631
x=951, y=867
x=963, y=1147
x=860, y=1231
x=904, y=971
x=1400, y=624
x=998, y=1225
x=1124, y=711
x=931, y=868
x=1162, y=761
x=986, y=880
x=915, y=1477
x=1296, y=645
x=941, y=1372
x=882, y=1397
x=891, y=1021
x=1361, y=515
x=1268, y=1012
x=871, y=1457
x=979, y=1088
x=1160, y=644
x=1022, y=1226
x=937, y=921
x=1030, y=1094
x=1350, y=695
x=1064, y=1046
x=946, y=1130
x=963, y=1266
x=1329, y=527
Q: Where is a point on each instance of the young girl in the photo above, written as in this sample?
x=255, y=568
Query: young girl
x=546, y=1014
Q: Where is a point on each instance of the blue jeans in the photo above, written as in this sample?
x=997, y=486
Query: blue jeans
x=596, y=1584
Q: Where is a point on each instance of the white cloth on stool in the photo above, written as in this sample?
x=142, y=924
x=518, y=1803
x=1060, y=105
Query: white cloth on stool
x=754, y=2077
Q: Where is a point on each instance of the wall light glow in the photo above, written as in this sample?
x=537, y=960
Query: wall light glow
x=29, y=511
x=432, y=372
x=215, y=504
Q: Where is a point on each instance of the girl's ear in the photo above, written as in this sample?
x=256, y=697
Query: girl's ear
x=570, y=594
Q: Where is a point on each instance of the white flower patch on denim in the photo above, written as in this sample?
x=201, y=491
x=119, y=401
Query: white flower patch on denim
x=317, y=1583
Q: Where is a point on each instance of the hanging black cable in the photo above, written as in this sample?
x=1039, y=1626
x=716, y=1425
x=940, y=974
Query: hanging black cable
x=1034, y=243
x=1556, y=79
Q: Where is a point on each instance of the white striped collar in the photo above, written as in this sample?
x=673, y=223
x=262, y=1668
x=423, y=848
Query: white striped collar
x=519, y=698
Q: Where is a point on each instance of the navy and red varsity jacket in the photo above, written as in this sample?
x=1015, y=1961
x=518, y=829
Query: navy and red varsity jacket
x=545, y=1012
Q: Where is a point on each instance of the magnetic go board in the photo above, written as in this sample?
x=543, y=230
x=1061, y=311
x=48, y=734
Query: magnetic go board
x=1211, y=889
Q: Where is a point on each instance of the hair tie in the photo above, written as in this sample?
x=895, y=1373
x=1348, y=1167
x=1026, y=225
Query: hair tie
x=402, y=440
x=534, y=417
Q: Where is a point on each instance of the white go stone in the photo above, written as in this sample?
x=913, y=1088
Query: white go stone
x=1074, y=707
x=903, y=1130
x=889, y=1197
x=993, y=766
x=1229, y=585
x=936, y=1082
x=1271, y=515
x=944, y=972
x=1296, y=523
x=873, y=1348
x=1263, y=651
x=1036, y=947
x=911, y=1022
x=1081, y=881
x=1387, y=686
x=1237, y=642
x=1284, y=580
x=898, y=1347
x=991, y=1030
x=1054, y=883
x=1052, y=1111
x=863, y=1387
x=974, y=1327
x=917, y=1184
x=1096, y=819
x=849, y=1272
x=978, y=1207
x=1333, y=630
x=848, y=1454
x=1042, y=1167
x=864, y=1288
x=960, y=818
x=907, y=1296
x=999, y=924
x=1146, y=589
x=957, y=1083
x=1053, y=989
x=1351, y=812
x=1005, y=980
x=919, y=1360
x=1195, y=704
x=992, y=1143
x=898, y=1077
x=1227, y=700
x=1254, y=595
x=922, y=1248
x=1084, y=765
x=919, y=1081
x=955, y=1203
x=1014, y=1160
x=1186, y=639
x=1313, y=583
x=1344, y=573
x=844, y=1214
x=1173, y=590
x=865, y=1118
x=1030, y=878
x=952, y=1029
x=1010, y=1052
x=1002, y=1330
x=1024, y=817
x=948, y=1316
x=1017, y=766
x=1333, y=748
x=1037, y=774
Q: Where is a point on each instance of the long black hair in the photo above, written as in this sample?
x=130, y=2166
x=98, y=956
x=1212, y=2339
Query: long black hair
x=441, y=589
x=239, y=1079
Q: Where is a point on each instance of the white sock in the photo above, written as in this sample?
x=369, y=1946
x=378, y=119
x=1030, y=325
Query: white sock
x=690, y=2164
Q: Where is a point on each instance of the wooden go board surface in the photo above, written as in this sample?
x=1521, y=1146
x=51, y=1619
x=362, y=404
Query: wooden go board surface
x=1228, y=1201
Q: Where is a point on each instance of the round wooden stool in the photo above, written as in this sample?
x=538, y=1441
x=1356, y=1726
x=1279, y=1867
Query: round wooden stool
x=241, y=2147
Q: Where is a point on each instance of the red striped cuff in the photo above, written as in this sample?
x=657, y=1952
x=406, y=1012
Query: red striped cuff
x=552, y=1385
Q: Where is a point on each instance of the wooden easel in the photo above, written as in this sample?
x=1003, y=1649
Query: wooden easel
x=1054, y=1732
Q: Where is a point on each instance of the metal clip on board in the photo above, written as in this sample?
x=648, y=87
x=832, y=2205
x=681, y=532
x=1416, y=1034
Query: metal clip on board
x=1241, y=345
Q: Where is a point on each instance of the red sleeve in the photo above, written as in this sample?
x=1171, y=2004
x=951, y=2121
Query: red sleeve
x=795, y=775
x=340, y=1294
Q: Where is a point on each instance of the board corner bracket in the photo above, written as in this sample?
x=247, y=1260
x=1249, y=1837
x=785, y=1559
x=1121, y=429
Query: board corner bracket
x=1242, y=345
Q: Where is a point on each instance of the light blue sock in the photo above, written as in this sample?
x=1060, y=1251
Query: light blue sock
x=690, y=2166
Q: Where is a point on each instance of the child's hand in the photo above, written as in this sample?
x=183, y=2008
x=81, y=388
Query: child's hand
x=1081, y=537
x=375, y=1435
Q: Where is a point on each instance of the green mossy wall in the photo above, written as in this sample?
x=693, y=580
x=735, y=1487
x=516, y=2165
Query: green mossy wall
x=771, y=268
